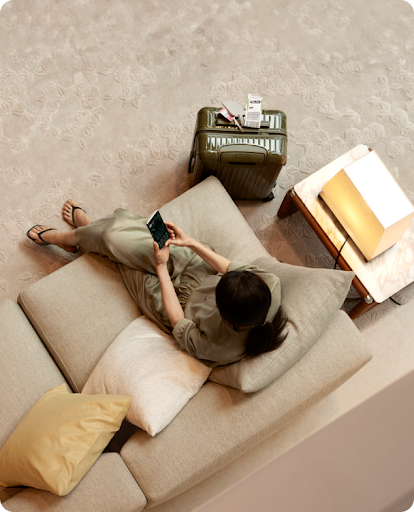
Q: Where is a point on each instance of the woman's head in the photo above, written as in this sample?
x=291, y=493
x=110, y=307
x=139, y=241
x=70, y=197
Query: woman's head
x=243, y=299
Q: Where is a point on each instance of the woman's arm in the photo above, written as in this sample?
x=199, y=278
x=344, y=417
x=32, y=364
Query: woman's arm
x=216, y=261
x=180, y=238
x=169, y=297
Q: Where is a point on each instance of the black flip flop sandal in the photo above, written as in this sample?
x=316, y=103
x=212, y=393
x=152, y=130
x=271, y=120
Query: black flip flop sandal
x=41, y=233
x=73, y=214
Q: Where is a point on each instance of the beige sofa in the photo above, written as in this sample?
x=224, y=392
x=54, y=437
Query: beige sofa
x=64, y=323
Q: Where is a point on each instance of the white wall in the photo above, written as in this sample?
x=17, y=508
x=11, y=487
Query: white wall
x=362, y=462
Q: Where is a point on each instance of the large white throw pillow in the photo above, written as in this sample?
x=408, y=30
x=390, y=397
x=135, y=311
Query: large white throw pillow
x=148, y=365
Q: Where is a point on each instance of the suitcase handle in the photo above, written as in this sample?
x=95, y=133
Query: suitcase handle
x=243, y=154
x=224, y=122
x=191, y=163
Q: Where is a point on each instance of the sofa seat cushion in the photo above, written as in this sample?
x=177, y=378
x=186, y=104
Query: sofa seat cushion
x=107, y=487
x=221, y=423
x=148, y=364
x=311, y=298
x=78, y=311
x=59, y=439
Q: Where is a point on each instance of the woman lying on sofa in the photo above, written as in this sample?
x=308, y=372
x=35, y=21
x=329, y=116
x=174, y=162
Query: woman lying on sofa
x=218, y=310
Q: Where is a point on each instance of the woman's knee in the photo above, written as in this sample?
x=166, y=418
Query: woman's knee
x=109, y=237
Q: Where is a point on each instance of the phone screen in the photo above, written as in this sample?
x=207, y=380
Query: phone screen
x=158, y=229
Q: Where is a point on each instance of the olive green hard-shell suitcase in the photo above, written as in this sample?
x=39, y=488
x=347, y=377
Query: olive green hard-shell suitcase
x=247, y=163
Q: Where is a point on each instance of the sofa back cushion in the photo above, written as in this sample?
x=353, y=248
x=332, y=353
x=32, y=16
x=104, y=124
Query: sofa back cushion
x=78, y=311
x=200, y=212
x=311, y=298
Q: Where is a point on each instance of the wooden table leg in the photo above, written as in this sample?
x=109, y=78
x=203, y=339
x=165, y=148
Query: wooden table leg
x=362, y=307
x=287, y=207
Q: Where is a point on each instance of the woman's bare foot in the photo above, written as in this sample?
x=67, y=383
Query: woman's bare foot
x=78, y=214
x=54, y=237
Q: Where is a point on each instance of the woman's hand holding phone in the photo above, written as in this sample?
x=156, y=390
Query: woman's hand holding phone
x=161, y=256
x=178, y=236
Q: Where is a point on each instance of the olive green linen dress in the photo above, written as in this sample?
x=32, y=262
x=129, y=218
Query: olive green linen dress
x=125, y=239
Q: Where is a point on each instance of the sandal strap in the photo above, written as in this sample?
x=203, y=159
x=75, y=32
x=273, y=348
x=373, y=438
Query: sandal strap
x=73, y=214
x=41, y=233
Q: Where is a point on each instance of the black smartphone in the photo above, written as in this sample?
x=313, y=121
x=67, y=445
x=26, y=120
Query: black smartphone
x=158, y=229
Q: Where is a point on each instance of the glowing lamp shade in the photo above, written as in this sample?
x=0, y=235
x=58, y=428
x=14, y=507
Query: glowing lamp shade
x=369, y=204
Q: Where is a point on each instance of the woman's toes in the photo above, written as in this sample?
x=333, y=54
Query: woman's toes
x=74, y=214
x=34, y=233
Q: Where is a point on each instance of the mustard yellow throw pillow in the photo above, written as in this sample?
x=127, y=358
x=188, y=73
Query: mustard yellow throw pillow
x=60, y=438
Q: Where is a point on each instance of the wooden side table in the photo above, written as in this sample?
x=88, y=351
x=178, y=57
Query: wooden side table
x=376, y=280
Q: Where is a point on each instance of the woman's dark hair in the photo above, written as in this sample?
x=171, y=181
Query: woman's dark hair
x=243, y=299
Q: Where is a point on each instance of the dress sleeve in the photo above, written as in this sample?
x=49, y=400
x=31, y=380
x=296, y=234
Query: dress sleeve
x=191, y=339
x=237, y=265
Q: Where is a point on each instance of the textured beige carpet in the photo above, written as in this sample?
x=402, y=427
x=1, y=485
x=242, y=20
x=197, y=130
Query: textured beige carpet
x=98, y=101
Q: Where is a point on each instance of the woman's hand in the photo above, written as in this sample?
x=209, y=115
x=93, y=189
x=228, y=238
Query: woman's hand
x=161, y=255
x=169, y=297
x=177, y=235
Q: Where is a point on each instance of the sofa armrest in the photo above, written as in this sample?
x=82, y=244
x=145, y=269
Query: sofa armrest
x=26, y=369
